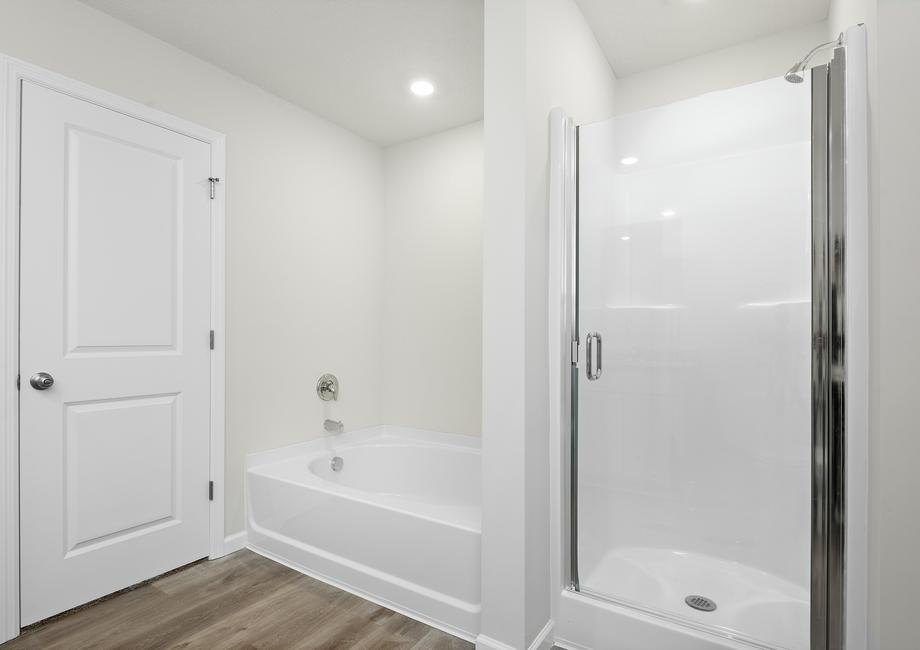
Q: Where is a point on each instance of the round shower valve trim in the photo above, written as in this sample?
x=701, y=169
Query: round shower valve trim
x=327, y=388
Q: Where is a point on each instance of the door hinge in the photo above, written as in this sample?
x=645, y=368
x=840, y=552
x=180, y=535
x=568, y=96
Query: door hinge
x=210, y=490
x=574, y=357
x=212, y=339
x=213, y=181
x=17, y=382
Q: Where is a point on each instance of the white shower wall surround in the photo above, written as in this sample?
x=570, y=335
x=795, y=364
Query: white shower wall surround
x=696, y=263
x=395, y=519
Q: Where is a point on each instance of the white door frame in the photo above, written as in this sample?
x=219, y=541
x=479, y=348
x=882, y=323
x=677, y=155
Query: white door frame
x=12, y=73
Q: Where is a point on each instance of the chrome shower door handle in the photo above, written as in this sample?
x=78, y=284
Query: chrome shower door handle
x=592, y=373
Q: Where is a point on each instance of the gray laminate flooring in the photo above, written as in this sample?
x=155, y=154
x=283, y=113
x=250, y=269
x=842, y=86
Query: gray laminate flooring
x=240, y=601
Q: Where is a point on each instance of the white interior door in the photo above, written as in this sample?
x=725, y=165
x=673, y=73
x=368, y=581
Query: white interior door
x=115, y=303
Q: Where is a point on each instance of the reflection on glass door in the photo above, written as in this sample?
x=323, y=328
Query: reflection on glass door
x=694, y=434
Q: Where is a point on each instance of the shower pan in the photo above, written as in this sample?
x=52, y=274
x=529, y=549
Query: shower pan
x=703, y=371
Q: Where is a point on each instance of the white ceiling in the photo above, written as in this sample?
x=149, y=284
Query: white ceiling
x=350, y=61
x=637, y=35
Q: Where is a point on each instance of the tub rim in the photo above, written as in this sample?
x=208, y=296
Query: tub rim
x=259, y=464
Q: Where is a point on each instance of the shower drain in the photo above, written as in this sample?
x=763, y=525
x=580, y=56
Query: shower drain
x=701, y=603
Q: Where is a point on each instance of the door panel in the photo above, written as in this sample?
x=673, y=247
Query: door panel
x=119, y=251
x=115, y=305
x=120, y=468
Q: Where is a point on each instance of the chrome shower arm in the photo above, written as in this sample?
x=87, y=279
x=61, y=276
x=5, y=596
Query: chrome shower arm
x=794, y=74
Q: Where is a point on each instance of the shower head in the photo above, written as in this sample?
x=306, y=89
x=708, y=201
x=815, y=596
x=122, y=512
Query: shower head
x=796, y=75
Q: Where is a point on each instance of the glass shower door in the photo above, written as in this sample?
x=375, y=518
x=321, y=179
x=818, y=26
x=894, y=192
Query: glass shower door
x=694, y=432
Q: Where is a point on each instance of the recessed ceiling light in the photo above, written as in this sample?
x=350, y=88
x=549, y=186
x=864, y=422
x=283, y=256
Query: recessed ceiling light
x=629, y=160
x=422, y=88
x=668, y=213
x=625, y=237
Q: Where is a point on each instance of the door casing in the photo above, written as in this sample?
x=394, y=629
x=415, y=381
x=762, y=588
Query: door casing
x=12, y=73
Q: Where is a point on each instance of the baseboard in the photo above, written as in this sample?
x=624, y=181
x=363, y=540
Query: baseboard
x=484, y=642
x=544, y=639
x=566, y=645
x=235, y=542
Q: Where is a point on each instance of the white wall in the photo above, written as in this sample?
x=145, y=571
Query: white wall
x=846, y=13
x=894, y=447
x=755, y=60
x=504, y=571
x=305, y=225
x=539, y=54
x=432, y=318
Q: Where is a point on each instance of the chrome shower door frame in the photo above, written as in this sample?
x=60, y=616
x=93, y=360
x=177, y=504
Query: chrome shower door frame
x=829, y=369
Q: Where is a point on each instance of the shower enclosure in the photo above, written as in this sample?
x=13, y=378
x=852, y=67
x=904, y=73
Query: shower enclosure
x=704, y=370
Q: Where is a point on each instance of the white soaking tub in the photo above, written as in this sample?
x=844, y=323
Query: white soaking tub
x=398, y=523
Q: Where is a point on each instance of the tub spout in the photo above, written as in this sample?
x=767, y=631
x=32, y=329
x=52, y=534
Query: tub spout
x=333, y=426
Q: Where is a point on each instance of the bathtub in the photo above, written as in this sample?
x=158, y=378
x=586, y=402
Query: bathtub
x=398, y=523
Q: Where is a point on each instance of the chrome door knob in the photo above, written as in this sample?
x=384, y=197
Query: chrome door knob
x=41, y=381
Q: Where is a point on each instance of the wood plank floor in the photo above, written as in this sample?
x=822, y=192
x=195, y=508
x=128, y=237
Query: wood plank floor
x=239, y=601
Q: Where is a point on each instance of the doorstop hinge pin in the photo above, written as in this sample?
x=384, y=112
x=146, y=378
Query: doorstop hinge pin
x=213, y=181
